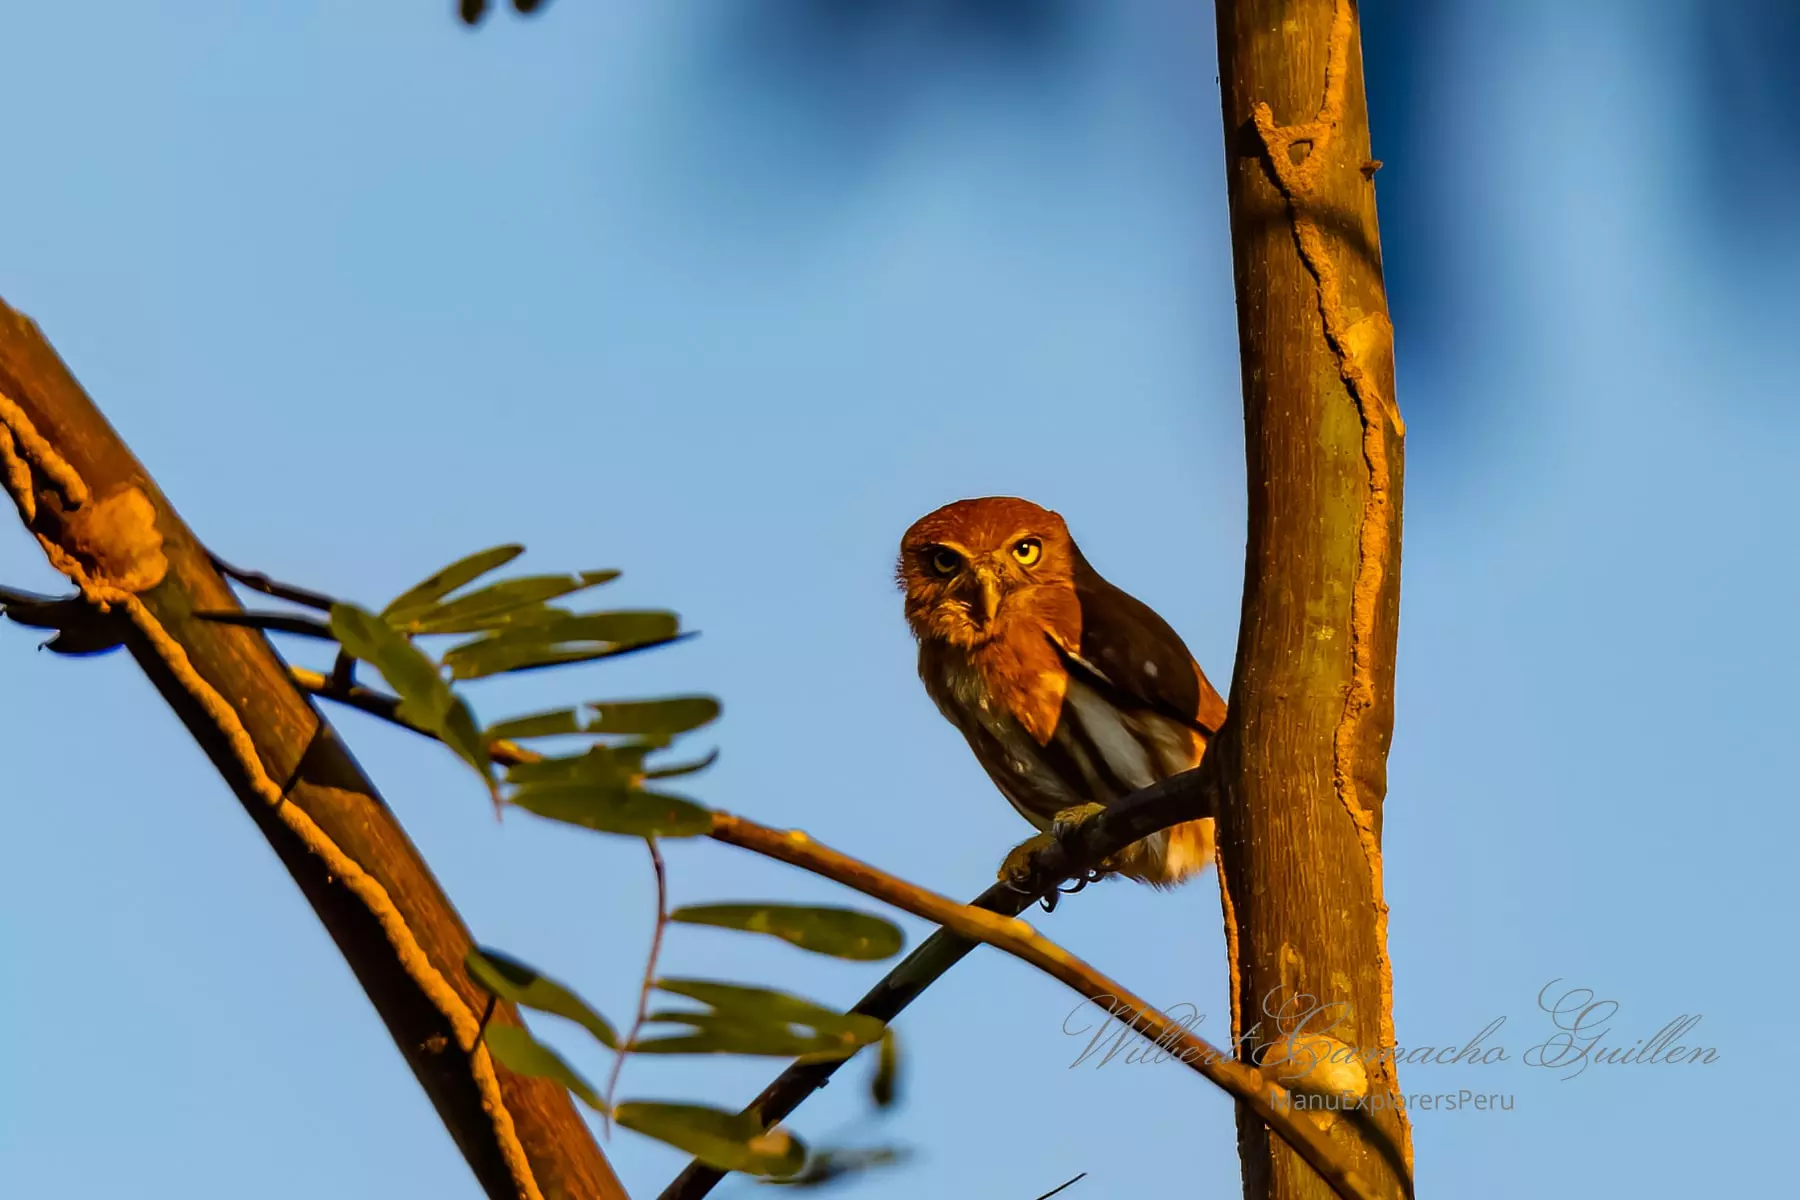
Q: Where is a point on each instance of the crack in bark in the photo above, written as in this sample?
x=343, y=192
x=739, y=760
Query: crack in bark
x=1353, y=345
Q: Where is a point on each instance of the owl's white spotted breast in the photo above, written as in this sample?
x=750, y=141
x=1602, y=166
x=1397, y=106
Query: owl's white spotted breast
x=1013, y=760
x=1112, y=752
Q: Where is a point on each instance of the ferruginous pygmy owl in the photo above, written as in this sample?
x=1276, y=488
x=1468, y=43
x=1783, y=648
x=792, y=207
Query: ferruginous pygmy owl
x=1070, y=692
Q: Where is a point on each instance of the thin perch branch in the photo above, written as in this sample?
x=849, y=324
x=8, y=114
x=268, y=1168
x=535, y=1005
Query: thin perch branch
x=273, y=622
x=1144, y=812
x=1257, y=1090
x=258, y=582
x=992, y=919
x=643, y=1005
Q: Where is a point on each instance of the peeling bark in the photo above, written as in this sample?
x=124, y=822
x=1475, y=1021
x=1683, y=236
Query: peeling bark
x=1303, y=756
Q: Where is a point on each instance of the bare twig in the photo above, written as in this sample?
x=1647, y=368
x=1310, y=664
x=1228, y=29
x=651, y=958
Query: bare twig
x=487, y=1014
x=1167, y=803
x=60, y=613
x=1258, y=1091
x=272, y=622
x=643, y=1006
x=16, y=596
x=387, y=708
x=256, y=581
x=343, y=671
x=1063, y=1186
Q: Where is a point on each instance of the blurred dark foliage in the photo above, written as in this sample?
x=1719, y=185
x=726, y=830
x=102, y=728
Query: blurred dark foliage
x=847, y=75
x=850, y=61
x=472, y=11
x=804, y=32
x=794, y=106
x=1747, y=68
x=1735, y=65
x=1398, y=38
x=797, y=103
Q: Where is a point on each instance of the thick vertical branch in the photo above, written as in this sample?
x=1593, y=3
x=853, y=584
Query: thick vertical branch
x=1303, y=756
x=102, y=521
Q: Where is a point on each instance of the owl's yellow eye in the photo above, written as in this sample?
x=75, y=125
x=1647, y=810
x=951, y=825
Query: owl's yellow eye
x=945, y=561
x=1028, y=552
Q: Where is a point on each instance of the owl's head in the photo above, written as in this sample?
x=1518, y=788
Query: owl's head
x=973, y=569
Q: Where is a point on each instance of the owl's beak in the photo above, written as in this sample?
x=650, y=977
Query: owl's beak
x=989, y=602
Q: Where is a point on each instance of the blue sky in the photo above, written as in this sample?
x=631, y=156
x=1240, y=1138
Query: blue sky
x=725, y=297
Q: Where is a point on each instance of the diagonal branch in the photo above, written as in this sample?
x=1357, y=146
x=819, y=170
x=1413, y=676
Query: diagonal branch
x=102, y=521
x=256, y=581
x=386, y=707
x=993, y=920
x=21, y=600
x=1062, y=1187
x=273, y=622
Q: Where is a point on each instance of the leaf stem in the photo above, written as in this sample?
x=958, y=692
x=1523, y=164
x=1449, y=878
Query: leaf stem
x=993, y=921
x=486, y=1014
x=256, y=581
x=643, y=1005
x=387, y=708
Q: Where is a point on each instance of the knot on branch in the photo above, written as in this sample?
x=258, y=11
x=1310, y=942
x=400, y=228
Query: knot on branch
x=116, y=540
x=1318, y=1064
x=109, y=545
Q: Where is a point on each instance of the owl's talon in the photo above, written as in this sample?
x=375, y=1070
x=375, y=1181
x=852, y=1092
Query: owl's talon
x=1070, y=887
x=1020, y=865
x=1067, y=823
x=1066, y=827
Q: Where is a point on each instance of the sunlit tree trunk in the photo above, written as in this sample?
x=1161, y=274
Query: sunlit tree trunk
x=1303, y=756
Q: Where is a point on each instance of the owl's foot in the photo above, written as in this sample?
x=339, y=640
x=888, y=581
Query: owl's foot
x=1020, y=864
x=1069, y=821
x=1017, y=868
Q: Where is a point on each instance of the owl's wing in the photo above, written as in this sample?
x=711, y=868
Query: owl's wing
x=1129, y=651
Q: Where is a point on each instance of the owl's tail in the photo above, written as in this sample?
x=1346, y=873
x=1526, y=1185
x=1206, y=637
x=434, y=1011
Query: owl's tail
x=1171, y=857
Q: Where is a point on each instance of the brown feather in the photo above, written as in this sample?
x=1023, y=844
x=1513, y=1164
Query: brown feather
x=1141, y=655
x=1068, y=690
